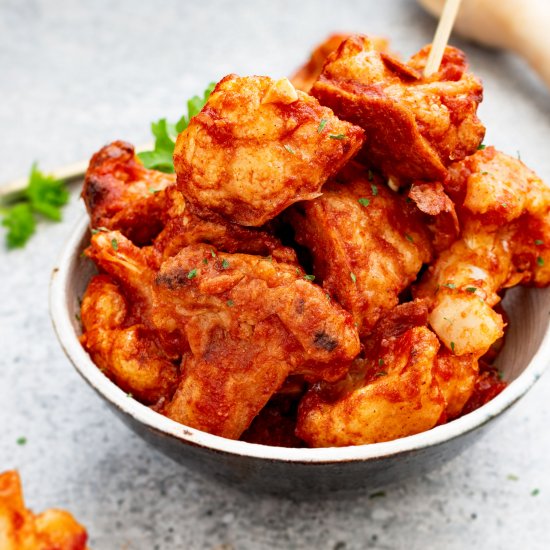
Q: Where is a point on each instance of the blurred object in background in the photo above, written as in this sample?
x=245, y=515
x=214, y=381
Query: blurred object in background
x=517, y=25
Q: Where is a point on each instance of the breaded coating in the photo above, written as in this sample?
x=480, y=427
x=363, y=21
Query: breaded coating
x=367, y=242
x=416, y=126
x=390, y=392
x=504, y=210
x=250, y=322
x=456, y=377
x=258, y=146
x=304, y=78
x=21, y=529
x=431, y=199
x=123, y=349
x=120, y=193
x=187, y=225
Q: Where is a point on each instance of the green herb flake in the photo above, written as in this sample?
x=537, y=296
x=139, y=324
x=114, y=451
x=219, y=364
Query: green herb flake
x=289, y=149
x=165, y=134
x=540, y=260
x=114, y=244
x=504, y=204
x=225, y=264
x=192, y=274
x=205, y=261
x=409, y=238
x=370, y=176
x=512, y=477
x=484, y=173
x=363, y=201
x=322, y=125
x=481, y=147
x=353, y=277
x=453, y=347
x=230, y=303
x=450, y=285
x=153, y=191
x=338, y=136
x=538, y=242
x=212, y=253
x=380, y=362
x=535, y=492
x=21, y=441
x=378, y=494
x=471, y=289
x=374, y=189
x=309, y=277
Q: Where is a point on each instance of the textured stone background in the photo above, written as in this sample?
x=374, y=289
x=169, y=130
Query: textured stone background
x=75, y=75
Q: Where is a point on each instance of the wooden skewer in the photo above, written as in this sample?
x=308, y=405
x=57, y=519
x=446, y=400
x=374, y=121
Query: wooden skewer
x=441, y=37
x=442, y=34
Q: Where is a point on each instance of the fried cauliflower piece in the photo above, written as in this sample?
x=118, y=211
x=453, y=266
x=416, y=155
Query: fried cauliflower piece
x=250, y=322
x=122, y=348
x=258, y=146
x=368, y=244
x=305, y=76
x=21, y=529
x=390, y=392
x=120, y=193
x=416, y=126
x=187, y=225
x=504, y=210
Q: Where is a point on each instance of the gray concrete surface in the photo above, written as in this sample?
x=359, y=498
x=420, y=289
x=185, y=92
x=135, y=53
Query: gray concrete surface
x=75, y=75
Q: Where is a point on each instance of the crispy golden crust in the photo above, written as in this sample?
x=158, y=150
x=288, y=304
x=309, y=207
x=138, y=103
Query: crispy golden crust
x=126, y=352
x=20, y=529
x=368, y=244
x=120, y=193
x=250, y=322
x=416, y=126
x=256, y=148
x=305, y=76
x=390, y=392
x=504, y=210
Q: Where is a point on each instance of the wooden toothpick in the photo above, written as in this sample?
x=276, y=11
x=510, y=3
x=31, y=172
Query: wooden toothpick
x=441, y=37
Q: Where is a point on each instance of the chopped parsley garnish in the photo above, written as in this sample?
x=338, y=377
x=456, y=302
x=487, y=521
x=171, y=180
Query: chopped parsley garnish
x=114, y=244
x=504, y=204
x=370, y=175
x=322, y=125
x=338, y=136
x=21, y=440
x=535, y=492
x=165, y=133
x=374, y=189
x=540, y=260
x=481, y=147
x=363, y=201
x=212, y=253
x=192, y=274
x=230, y=303
x=512, y=477
x=353, y=277
x=309, y=277
x=97, y=230
x=380, y=361
x=449, y=285
x=44, y=195
x=471, y=289
x=205, y=261
x=289, y=149
x=538, y=242
x=409, y=238
x=452, y=347
x=225, y=263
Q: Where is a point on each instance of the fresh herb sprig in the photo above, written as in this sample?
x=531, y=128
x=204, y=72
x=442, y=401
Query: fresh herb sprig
x=165, y=133
x=44, y=196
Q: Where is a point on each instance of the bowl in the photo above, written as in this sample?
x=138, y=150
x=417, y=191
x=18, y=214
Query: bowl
x=304, y=472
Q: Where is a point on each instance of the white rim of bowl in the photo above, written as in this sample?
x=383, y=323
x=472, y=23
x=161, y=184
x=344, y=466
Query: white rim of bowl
x=81, y=360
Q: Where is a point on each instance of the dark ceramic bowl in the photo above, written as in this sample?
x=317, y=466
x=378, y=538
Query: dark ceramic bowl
x=304, y=471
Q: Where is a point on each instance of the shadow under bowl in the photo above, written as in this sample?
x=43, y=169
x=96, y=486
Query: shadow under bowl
x=304, y=472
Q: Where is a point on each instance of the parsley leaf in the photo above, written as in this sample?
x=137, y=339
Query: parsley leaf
x=43, y=195
x=322, y=125
x=338, y=136
x=165, y=133
x=363, y=201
